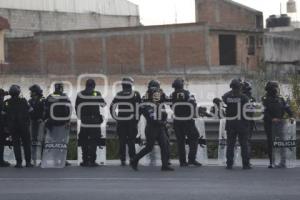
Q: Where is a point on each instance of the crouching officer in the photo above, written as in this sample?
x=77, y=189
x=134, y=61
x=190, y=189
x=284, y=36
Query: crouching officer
x=88, y=104
x=126, y=102
x=275, y=109
x=184, y=107
x=17, y=112
x=236, y=124
x=154, y=111
x=3, y=134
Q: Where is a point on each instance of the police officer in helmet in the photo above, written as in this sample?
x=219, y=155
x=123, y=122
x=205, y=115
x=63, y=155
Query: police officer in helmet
x=275, y=109
x=17, y=111
x=154, y=111
x=184, y=106
x=3, y=134
x=126, y=102
x=91, y=120
x=236, y=124
x=37, y=102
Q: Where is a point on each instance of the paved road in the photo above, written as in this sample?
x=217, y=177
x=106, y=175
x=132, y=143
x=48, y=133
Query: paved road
x=113, y=182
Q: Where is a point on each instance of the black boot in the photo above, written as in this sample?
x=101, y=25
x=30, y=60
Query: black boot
x=18, y=165
x=195, y=163
x=167, y=168
x=134, y=165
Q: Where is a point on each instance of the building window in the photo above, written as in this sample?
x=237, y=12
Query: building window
x=251, y=45
x=259, y=22
x=227, y=49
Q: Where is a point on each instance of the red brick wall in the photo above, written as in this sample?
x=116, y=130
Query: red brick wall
x=57, y=56
x=126, y=51
x=220, y=12
x=155, y=52
x=188, y=49
x=88, y=55
x=23, y=56
x=123, y=54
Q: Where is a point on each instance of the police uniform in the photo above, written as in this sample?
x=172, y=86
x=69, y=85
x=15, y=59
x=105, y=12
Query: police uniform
x=3, y=134
x=127, y=129
x=156, y=118
x=17, y=111
x=275, y=108
x=89, y=137
x=236, y=124
x=251, y=106
x=185, y=128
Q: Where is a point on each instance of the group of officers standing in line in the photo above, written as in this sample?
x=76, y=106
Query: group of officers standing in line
x=18, y=115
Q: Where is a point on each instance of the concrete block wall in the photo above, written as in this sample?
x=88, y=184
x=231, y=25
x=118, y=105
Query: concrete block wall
x=25, y=22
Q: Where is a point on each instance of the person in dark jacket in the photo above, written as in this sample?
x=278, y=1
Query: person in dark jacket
x=236, y=124
x=37, y=116
x=184, y=106
x=153, y=110
x=58, y=108
x=17, y=111
x=126, y=102
x=88, y=104
x=275, y=109
x=3, y=134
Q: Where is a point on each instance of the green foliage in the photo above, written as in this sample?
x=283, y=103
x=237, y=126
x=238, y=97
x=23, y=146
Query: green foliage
x=295, y=88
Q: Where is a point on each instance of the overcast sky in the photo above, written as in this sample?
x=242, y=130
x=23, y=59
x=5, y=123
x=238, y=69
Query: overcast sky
x=181, y=11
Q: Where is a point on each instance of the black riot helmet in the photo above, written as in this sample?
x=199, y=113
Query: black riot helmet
x=14, y=91
x=247, y=87
x=272, y=88
x=36, y=90
x=90, y=84
x=59, y=88
x=236, y=84
x=178, y=84
x=271, y=85
x=154, y=85
x=127, y=83
x=217, y=101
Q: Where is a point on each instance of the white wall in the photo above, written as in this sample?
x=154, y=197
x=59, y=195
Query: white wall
x=107, y=7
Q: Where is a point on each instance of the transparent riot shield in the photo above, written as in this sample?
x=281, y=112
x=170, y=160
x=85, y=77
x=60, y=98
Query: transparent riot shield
x=55, y=147
x=284, y=144
x=37, y=131
x=223, y=146
x=222, y=142
x=202, y=147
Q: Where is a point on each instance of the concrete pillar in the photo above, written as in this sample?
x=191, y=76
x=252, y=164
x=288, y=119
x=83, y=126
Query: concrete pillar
x=2, y=56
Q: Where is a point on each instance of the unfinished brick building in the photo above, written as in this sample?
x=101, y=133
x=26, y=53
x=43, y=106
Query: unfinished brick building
x=226, y=39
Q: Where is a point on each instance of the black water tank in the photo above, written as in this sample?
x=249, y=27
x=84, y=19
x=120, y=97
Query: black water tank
x=278, y=21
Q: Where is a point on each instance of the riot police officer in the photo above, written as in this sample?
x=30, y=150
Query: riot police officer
x=37, y=102
x=247, y=90
x=153, y=110
x=184, y=107
x=88, y=104
x=17, y=111
x=126, y=102
x=275, y=108
x=3, y=134
x=236, y=124
x=57, y=107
